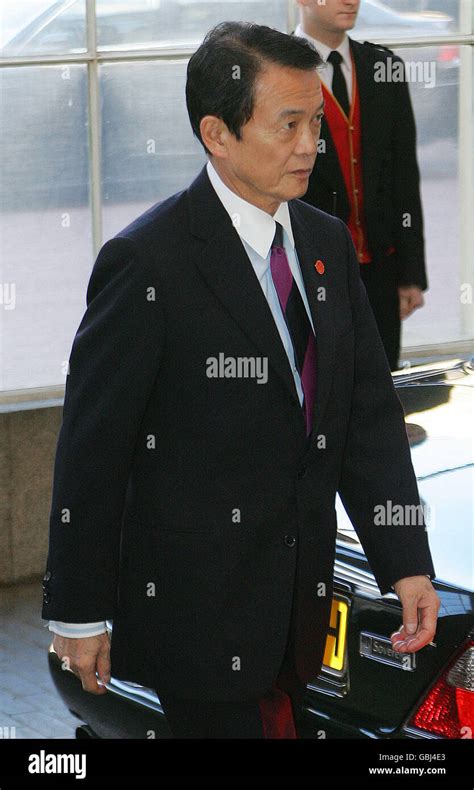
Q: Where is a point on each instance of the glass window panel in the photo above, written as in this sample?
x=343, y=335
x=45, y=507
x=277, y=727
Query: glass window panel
x=151, y=23
x=45, y=238
x=436, y=113
x=148, y=149
x=149, y=152
x=42, y=27
x=397, y=19
x=450, y=8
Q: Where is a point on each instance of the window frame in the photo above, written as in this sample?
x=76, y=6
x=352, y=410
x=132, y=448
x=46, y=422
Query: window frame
x=93, y=58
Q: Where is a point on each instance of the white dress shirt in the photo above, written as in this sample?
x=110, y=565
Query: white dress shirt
x=326, y=72
x=256, y=229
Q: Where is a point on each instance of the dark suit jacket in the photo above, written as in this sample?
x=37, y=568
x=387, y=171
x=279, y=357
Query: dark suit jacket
x=391, y=176
x=154, y=457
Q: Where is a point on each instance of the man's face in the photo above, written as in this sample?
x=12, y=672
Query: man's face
x=279, y=140
x=333, y=16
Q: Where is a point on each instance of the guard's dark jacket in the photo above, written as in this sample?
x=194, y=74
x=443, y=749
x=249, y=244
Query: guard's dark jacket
x=391, y=178
x=188, y=508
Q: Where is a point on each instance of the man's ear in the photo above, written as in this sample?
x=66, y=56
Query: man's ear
x=214, y=133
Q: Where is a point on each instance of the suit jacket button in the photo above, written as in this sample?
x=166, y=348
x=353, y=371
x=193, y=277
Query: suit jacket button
x=46, y=597
x=47, y=576
x=289, y=540
x=302, y=471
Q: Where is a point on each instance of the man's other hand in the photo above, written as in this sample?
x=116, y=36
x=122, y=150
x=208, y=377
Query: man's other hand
x=420, y=612
x=84, y=657
x=410, y=297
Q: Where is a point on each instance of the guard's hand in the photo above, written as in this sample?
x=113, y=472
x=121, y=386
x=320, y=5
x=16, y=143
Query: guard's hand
x=420, y=612
x=410, y=297
x=84, y=657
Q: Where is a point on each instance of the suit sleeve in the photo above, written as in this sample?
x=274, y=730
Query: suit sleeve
x=113, y=364
x=409, y=233
x=377, y=474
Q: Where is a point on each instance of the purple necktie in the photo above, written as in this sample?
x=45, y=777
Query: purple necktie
x=297, y=321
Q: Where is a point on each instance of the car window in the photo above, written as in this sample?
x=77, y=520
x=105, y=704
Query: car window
x=61, y=27
x=374, y=15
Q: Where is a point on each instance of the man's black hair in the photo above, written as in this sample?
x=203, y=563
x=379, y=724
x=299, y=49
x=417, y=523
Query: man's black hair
x=222, y=73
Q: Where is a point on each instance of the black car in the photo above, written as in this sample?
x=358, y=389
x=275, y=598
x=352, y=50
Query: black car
x=365, y=689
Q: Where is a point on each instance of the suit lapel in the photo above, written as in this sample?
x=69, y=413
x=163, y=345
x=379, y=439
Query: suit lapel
x=366, y=87
x=229, y=273
x=327, y=164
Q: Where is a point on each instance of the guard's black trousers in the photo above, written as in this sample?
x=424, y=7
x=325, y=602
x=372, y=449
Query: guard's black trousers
x=381, y=283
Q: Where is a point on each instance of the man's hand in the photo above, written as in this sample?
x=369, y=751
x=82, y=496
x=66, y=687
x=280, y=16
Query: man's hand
x=84, y=657
x=420, y=611
x=410, y=297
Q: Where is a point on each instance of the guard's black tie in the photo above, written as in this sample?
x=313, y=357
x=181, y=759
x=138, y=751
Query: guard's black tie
x=339, y=85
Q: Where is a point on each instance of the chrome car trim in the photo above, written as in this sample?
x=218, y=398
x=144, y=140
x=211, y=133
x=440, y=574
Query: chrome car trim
x=361, y=581
x=147, y=696
x=367, y=648
x=414, y=732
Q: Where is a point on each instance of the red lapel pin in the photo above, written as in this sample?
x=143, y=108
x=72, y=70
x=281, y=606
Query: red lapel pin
x=319, y=266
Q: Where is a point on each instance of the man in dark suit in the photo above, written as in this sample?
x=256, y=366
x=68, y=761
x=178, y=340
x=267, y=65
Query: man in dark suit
x=367, y=171
x=226, y=380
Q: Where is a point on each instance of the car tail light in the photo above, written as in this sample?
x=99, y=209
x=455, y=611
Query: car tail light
x=448, y=54
x=448, y=709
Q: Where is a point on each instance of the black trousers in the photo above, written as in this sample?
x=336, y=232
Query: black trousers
x=275, y=715
x=381, y=283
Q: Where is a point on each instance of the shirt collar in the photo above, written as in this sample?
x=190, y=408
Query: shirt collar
x=254, y=226
x=344, y=48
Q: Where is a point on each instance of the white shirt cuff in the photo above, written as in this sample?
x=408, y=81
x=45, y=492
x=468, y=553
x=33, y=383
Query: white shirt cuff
x=77, y=630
